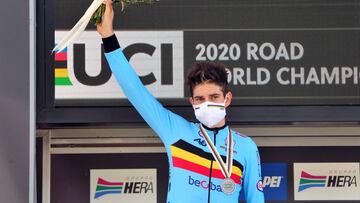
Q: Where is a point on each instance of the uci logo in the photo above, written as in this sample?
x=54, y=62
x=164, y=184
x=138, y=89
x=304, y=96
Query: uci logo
x=157, y=57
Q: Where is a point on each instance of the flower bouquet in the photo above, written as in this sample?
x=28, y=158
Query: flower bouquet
x=97, y=16
x=94, y=14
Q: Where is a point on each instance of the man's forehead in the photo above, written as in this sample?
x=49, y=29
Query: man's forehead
x=207, y=89
x=207, y=92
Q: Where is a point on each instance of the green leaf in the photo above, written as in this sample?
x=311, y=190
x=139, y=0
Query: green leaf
x=96, y=18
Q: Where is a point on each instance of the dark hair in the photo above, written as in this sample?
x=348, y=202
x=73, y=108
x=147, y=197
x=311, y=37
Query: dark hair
x=207, y=72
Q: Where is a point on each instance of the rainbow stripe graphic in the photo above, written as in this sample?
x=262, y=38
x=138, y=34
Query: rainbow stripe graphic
x=61, y=71
x=308, y=181
x=216, y=106
x=104, y=187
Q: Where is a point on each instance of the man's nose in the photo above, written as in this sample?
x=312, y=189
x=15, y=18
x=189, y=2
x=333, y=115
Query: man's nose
x=206, y=99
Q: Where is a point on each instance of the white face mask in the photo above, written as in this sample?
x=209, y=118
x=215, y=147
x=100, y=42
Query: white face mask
x=210, y=113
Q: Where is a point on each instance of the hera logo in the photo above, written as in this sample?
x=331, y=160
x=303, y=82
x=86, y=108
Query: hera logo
x=308, y=181
x=105, y=187
x=138, y=187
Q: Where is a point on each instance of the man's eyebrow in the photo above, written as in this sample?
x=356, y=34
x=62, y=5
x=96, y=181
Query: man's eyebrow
x=198, y=97
x=215, y=94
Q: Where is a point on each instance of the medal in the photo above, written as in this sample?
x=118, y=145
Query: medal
x=228, y=185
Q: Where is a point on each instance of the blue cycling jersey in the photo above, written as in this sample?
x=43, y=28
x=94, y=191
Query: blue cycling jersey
x=195, y=177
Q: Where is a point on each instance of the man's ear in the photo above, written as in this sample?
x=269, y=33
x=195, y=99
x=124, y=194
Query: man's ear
x=191, y=100
x=228, y=98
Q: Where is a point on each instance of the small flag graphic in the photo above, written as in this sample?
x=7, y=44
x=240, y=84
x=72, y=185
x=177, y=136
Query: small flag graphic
x=61, y=71
x=308, y=181
x=104, y=187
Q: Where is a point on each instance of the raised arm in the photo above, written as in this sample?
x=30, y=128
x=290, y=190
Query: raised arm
x=161, y=120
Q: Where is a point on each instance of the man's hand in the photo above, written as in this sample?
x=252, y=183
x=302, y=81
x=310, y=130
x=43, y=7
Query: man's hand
x=105, y=29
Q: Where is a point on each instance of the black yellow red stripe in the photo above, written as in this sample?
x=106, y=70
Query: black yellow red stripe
x=191, y=158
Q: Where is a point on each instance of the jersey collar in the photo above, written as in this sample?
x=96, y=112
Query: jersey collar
x=215, y=130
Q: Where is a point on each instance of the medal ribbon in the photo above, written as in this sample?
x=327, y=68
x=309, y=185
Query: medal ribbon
x=226, y=170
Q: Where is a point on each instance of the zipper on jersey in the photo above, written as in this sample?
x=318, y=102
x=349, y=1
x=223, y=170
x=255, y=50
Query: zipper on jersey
x=211, y=166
